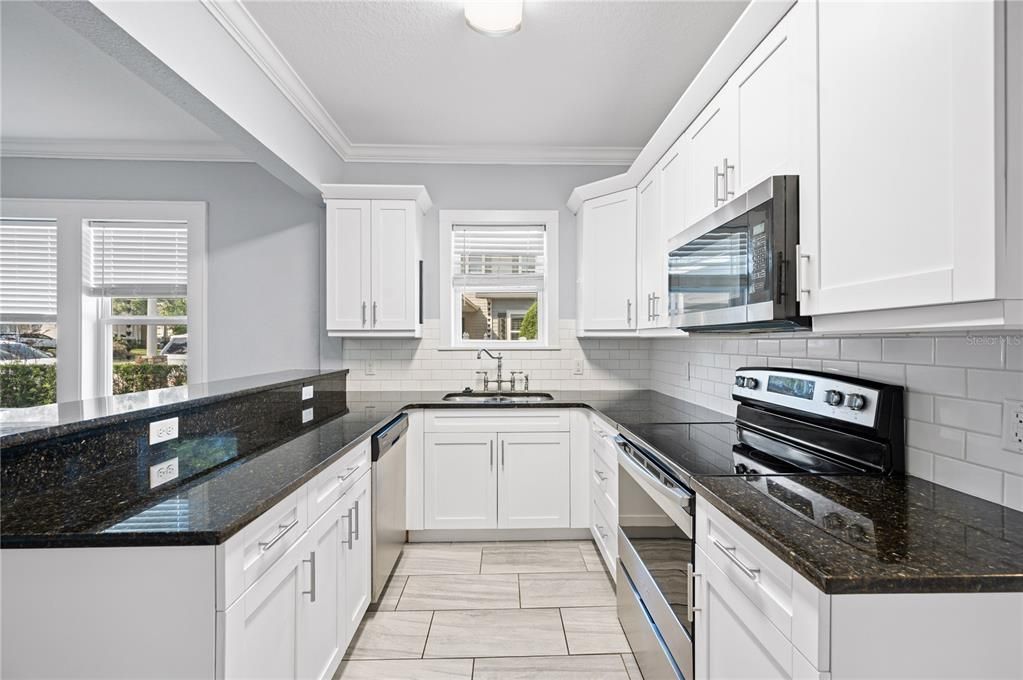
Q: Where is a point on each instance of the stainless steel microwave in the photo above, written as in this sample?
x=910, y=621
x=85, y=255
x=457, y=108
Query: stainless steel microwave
x=735, y=270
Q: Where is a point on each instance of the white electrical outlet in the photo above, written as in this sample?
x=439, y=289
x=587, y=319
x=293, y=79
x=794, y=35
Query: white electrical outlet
x=161, y=473
x=371, y=367
x=1012, y=425
x=307, y=415
x=163, y=430
x=577, y=369
x=307, y=392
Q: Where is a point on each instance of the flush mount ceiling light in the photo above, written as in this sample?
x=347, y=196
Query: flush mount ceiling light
x=494, y=17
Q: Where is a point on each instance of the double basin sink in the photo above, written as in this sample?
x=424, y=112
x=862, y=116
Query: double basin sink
x=498, y=397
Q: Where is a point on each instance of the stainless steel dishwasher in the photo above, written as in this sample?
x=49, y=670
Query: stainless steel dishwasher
x=388, y=518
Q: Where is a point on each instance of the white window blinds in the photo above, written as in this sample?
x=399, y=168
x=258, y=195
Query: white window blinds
x=136, y=259
x=28, y=270
x=487, y=256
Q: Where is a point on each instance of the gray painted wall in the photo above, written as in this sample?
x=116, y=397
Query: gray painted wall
x=264, y=240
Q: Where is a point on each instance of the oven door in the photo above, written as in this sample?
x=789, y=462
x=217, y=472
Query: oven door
x=655, y=552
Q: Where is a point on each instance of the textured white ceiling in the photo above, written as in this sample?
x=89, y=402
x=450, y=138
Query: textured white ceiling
x=578, y=74
x=59, y=86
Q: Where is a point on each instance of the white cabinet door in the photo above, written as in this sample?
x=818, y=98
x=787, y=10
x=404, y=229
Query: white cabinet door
x=908, y=135
x=734, y=640
x=672, y=169
x=261, y=627
x=395, y=268
x=652, y=286
x=534, y=480
x=460, y=481
x=607, y=266
x=356, y=589
x=776, y=91
x=348, y=265
x=713, y=146
x=319, y=630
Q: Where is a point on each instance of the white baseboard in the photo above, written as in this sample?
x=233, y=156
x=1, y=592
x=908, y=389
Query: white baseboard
x=475, y=535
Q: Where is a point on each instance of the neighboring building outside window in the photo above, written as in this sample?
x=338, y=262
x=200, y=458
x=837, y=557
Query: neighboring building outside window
x=499, y=279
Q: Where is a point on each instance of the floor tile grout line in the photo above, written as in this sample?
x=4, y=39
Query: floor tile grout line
x=564, y=632
x=426, y=640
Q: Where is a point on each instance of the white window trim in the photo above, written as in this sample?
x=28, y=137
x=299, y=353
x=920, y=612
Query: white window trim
x=80, y=330
x=550, y=318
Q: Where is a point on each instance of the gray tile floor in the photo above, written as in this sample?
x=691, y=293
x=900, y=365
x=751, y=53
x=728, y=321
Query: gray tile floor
x=494, y=611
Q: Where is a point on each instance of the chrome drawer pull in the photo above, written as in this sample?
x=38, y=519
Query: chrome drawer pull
x=312, y=577
x=355, y=521
x=284, y=529
x=351, y=471
x=691, y=592
x=600, y=475
x=751, y=573
x=351, y=535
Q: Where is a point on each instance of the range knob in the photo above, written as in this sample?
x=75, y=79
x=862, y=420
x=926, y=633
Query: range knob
x=741, y=468
x=834, y=397
x=740, y=381
x=856, y=402
x=752, y=383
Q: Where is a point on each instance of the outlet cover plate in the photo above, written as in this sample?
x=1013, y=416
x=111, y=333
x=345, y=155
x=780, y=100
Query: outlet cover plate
x=163, y=430
x=307, y=392
x=1012, y=425
x=307, y=415
x=164, y=472
x=371, y=367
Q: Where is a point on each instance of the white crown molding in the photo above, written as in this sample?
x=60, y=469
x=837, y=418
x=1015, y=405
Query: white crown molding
x=386, y=192
x=250, y=36
x=119, y=150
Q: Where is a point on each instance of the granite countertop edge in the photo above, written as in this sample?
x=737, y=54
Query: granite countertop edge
x=832, y=584
x=31, y=436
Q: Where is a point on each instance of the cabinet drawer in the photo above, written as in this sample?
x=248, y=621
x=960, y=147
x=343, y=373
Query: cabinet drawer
x=497, y=420
x=249, y=553
x=602, y=443
x=328, y=486
x=604, y=481
x=605, y=533
x=762, y=577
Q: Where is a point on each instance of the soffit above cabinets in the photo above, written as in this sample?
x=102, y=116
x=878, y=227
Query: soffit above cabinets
x=581, y=83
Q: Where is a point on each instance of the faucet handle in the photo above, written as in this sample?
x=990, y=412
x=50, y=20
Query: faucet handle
x=513, y=374
x=486, y=379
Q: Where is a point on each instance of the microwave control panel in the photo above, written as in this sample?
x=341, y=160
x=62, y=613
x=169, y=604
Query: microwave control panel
x=760, y=254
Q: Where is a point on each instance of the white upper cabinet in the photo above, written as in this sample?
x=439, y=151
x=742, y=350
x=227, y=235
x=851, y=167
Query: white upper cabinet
x=712, y=142
x=672, y=170
x=652, y=279
x=909, y=155
x=607, y=264
x=776, y=98
x=374, y=249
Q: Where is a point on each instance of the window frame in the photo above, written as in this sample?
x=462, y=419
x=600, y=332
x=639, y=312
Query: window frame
x=80, y=349
x=547, y=332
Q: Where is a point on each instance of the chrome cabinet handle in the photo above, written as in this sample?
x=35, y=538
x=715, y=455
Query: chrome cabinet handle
x=717, y=197
x=628, y=311
x=802, y=259
x=502, y=454
x=600, y=530
x=283, y=529
x=729, y=193
x=312, y=577
x=374, y=313
x=351, y=538
x=355, y=521
x=351, y=471
x=657, y=305
x=750, y=572
x=600, y=475
x=691, y=592
x=363, y=312
x=491, y=454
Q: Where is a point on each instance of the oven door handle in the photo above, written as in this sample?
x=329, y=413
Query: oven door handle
x=685, y=498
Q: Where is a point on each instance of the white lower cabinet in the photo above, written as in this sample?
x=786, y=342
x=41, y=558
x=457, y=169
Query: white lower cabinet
x=514, y=480
x=533, y=481
x=298, y=617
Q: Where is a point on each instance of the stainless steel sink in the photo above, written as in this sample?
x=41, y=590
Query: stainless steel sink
x=498, y=397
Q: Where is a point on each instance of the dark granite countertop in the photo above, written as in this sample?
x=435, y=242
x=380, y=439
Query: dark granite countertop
x=919, y=537
x=27, y=425
x=213, y=507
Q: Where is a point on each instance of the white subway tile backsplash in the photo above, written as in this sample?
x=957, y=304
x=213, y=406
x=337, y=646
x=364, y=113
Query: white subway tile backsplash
x=994, y=385
x=971, y=352
x=986, y=450
x=968, y=478
x=920, y=463
x=979, y=416
x=893, y=374
x=908, y=350
x=936, y=380
x=861, y=349
x=1014, y=491
x=942, y=440
x=919, y=406
x=822, y=348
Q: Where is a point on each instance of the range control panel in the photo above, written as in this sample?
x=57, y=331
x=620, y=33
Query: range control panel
x=809, y=392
